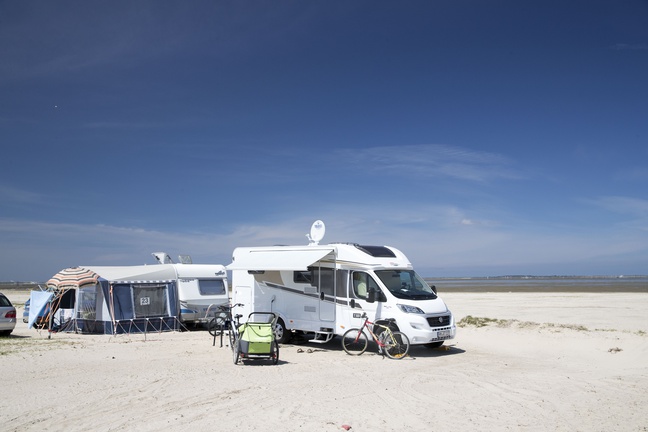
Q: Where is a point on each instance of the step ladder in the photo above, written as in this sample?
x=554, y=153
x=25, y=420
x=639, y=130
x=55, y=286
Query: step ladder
x=322, y=337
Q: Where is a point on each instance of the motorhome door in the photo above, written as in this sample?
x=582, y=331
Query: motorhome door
x=324, y=280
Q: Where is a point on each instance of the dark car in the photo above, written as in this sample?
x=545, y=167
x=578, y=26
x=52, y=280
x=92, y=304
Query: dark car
x=7, y=316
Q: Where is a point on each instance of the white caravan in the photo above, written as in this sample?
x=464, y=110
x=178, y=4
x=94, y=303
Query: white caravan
x=323, y=290
x=201, y=287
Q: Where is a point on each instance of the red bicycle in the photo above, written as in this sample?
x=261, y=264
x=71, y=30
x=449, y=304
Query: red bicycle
x=393, y=344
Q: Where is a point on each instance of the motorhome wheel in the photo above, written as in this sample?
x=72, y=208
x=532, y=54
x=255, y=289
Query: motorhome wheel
x=282, y=334
x=434, y=344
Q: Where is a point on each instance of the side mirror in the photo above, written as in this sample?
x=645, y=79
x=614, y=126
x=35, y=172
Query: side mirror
x=371, y=295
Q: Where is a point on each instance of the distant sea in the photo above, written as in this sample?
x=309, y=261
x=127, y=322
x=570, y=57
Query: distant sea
x=542, y=284
x=638, y=284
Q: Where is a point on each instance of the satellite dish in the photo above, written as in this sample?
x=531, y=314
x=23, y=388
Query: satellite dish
x=316, y=232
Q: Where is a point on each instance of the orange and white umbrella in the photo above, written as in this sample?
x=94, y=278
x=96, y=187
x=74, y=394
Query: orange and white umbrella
x=73, y=277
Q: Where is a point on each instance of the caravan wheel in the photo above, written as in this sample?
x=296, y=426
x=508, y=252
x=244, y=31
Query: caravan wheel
x=282, y=334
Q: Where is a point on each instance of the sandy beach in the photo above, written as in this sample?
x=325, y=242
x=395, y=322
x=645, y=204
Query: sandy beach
x=550, y=361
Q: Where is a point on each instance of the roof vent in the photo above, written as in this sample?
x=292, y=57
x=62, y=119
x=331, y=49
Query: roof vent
x=377, y=251
x=162, y=257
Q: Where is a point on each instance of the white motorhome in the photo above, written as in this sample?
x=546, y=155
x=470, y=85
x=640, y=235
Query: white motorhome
x=201, y=287
x=323, y=290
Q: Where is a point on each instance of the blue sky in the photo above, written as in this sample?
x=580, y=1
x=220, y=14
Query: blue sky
x=481, y=138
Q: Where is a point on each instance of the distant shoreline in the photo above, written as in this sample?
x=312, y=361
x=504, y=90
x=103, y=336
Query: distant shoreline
x=543, y=284
x=531, y=284
x=548, y=289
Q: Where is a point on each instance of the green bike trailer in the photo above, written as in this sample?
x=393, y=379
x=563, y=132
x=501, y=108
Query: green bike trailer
x=256, y=338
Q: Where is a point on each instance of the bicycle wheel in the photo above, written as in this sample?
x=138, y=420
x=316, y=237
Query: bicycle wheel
x=215, y=326
x=396, y=345
x=235, y=352
x=232, y=335
x=354, y=342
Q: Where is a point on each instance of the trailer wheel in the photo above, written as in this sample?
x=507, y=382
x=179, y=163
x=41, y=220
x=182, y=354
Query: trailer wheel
x=282, y=334
x=275, y=352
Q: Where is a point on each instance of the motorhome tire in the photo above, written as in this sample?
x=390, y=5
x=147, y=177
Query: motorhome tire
x=433, y=345
x=282, y=334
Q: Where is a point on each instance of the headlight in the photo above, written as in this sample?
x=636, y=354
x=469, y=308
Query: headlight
x=410, y=309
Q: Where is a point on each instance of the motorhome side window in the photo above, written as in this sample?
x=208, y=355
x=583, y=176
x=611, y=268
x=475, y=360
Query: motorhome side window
x=323, y=279
x=302, y=276
x=211, y=286
x=362, y=282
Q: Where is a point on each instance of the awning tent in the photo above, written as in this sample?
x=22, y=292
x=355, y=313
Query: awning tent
x=38, y=302
x=288, y=258
x=113, y=300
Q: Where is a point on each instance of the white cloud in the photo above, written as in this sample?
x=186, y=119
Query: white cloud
x=439, y=240
x=11, y=195
x=622, y=205
x=430, y=160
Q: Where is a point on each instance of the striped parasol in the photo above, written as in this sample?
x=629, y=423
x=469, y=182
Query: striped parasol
x=73, y=277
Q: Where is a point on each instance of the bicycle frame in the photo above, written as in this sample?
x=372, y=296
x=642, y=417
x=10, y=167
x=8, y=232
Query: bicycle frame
x=229, y=323
x=391, y=343
x=377, y=339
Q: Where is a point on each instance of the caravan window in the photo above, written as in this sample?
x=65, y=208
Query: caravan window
x=342, y=283
x=302, y=276
x=211, y=286
x=323, y=279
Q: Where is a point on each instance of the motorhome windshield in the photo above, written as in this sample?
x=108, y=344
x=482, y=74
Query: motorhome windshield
x=406, y=284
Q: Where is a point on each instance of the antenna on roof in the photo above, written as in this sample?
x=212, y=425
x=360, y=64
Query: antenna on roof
x=316, y=233
x=162, y=257
x=185, y=259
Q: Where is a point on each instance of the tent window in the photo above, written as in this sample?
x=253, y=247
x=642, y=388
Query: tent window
x=211, y=286
x=150, y=300
x=87, y=306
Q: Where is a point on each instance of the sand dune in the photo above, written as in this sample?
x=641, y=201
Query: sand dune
x=558, y=361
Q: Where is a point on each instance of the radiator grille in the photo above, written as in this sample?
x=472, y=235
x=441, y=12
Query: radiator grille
x=439, y=321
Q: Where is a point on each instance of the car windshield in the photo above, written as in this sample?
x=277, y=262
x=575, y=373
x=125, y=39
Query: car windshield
x=406, y=284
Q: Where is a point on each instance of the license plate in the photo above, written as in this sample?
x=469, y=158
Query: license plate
x=443, y=333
